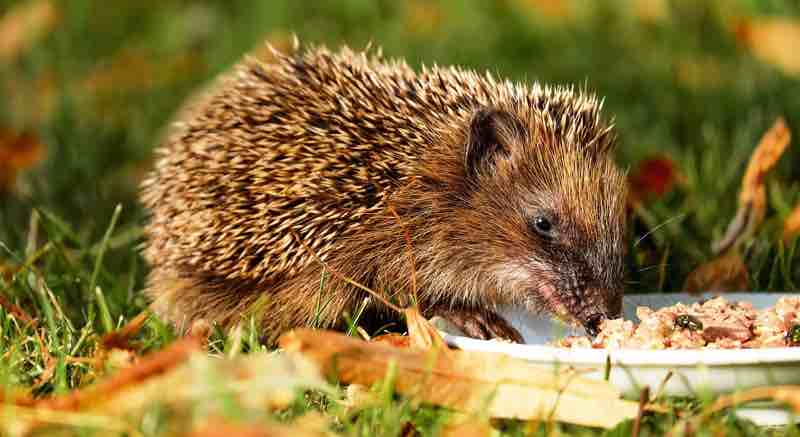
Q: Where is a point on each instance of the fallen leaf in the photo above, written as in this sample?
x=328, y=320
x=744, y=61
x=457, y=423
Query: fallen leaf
x=423, y=17
x=150, y=366
x=753, y=194
x=18, y=151
x=467, y=427
x=16, y=311
x=724, y=273
x=495, y=384
x=651, y=11
x=395, y=340
x=178, y=377
x=23, y=25
x=791, y=227
x=653, y=177
x=121, y=338
x=421, y=333
x=553, y=9
x=771, y=40
x=218, y=428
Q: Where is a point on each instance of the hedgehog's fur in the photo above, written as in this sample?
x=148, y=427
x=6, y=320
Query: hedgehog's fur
x=321, y=143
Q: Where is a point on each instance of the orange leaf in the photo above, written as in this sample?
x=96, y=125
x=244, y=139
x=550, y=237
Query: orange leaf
x=772, y=40
x=152, y=365
x=395, y=340
x=18, y=151
x=791, y=227
x=554, y=9
x=120, y=339
x=23, y=25
x=753, y=195
x=218, y=428
x=472, y=382
x=767, y=153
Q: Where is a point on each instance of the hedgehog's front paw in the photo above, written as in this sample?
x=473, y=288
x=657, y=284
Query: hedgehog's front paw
x=484, y=325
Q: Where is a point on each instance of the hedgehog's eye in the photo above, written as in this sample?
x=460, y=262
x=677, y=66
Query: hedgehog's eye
x=542, y=226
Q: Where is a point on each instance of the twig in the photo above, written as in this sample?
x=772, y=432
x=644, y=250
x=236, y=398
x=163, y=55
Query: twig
x=644, y=397
x=661, y=386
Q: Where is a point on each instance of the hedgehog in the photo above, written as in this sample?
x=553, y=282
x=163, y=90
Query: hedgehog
x=470, y=192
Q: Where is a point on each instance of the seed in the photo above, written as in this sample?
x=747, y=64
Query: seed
x=690, y=322
x=793, y=335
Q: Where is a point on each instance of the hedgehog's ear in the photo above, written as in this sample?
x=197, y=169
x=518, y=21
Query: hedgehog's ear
x=490, y=136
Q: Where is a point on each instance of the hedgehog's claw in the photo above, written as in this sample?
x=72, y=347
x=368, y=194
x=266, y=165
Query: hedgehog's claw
x=481, y=324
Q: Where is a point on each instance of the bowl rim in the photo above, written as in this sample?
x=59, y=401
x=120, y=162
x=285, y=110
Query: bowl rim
x=641, y=357
x=631, y=357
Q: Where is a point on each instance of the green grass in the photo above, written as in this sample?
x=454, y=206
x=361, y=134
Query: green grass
x=680, y=87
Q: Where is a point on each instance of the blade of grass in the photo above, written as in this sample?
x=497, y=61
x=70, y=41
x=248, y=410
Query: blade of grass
x=103, y=245
x=105, y=314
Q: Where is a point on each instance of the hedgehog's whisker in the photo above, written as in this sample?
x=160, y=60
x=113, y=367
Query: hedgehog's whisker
x=644, y=269
x=659, y=226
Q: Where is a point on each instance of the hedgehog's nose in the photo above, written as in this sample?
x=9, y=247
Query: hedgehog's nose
x=593, y=322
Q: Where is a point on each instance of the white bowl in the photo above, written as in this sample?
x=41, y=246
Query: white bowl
x=703, y=372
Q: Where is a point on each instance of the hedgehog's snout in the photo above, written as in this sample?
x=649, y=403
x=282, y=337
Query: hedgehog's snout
x=593, y=323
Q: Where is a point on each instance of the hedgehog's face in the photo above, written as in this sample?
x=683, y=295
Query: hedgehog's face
x=552, y=204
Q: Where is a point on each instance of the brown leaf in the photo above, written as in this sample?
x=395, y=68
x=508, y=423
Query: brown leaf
x=18, y=151
x=772, y=40
x=23, y=25
x=725, y=273
x=152, y=365
x=753, y=194
x=177, y=378
x=791, y=227
x=495, y=384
